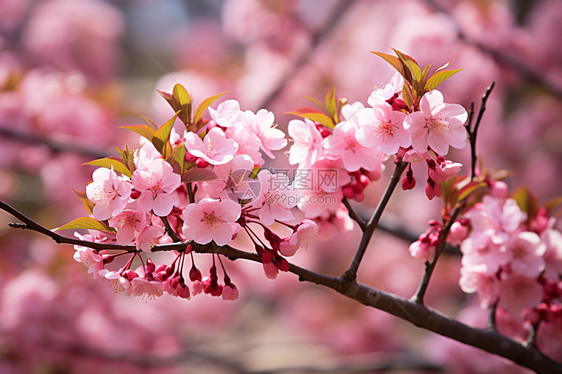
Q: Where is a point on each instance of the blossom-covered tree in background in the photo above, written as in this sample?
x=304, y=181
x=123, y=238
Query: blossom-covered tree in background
x=218, y=181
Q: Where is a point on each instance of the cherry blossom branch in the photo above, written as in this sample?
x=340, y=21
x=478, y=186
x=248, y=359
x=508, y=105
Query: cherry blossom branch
x=430, y=266
x=473, y=131
x=351, y=273
x=408, y=310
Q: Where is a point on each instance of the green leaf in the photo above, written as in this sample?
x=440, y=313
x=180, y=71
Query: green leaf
x=404, y=57
x=438, y=78
x=331, y=103
x=142, y=130
x=153, y=125
x=182, y=103
x=393, y=61
x=469, y=189
x=314, y=115
x=88, y=205
x=316, y=102
x=423, y=79
x=414, y=69
x=197, y=175
x=177, y=159
x=204, y=105
x=110, y=162
x=168, y=97
x=163, y=135
x=407, y=95
x=86, y=223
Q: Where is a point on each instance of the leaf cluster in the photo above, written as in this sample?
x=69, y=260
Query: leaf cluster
x=416, y=80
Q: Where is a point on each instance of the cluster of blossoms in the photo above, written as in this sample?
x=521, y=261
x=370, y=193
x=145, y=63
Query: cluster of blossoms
x=200, y=187
x=513, y=258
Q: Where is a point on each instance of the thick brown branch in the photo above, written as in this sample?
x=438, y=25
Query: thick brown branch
x=408, y=310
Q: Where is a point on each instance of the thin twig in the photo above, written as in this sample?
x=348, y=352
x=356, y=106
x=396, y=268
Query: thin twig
x=353, y=215
x=351, y=274
x=170, y=230
x=430, y=266
x=472, y=132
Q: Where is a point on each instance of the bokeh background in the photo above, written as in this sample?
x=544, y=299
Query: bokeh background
x=73, y=71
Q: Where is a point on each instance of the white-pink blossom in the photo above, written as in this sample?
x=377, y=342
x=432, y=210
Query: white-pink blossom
x=438, y=125
x=304, y=236
x=383, y=127
x=156, y=181
x=227, y=113
x=215, y=148
x=277, y=197
x=307, y=143
x=109, y=192
x=211, y=219
x=262, y=125
x=148, y=289
x=518, y=292
x=527, y=252
x=128, y=223
x=148, y=237
x=343, y=144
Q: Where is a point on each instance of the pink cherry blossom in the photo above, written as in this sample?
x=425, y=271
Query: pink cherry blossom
x=230, y=292
x=518, y=292
x=149, y=237
x=262, y=125
x=233, y=180
x=323, y=170
x=304, y=236
x=381, y=95
x=109, y=192
x=227, y=113
x=437, y=125
x=444, y=170
x=307, y=145
x=318, y=202
x=277, y=197
x=527, y=254
x=343, y=144
x=381, y=126
x=149, y=289
x=248, y=142
x=116, y=281
x=487, y=286
x=156, y=182
x=422, y=250
x=553, y=253
x=128, y=223
x=215, y=148
x=211, y=219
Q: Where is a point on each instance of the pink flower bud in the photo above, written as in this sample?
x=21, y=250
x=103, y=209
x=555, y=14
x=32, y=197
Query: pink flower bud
x=230, y=292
